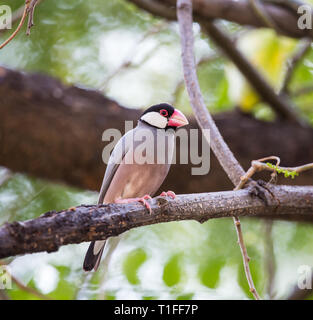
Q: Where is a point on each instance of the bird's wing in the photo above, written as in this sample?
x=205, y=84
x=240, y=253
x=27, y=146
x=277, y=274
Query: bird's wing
x=117, y=155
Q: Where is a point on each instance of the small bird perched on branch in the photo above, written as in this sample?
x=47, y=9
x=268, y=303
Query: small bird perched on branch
x=135, y=173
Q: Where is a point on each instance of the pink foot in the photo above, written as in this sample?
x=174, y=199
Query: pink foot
x=170, y=194
x=145, y=203
x=142, y=200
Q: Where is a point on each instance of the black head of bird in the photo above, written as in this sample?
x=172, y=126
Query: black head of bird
x=164, y=116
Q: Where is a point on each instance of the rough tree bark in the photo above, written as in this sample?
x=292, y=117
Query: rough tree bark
x=55, y=131
x=92, y=222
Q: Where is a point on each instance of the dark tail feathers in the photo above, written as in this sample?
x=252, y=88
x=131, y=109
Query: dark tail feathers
x=92, y=261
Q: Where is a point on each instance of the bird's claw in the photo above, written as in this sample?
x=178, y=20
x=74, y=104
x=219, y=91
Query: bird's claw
x=143, y=200
x=170, y=194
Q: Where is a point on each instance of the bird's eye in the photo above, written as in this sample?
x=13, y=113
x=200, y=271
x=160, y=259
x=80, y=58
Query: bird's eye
x=163, y=113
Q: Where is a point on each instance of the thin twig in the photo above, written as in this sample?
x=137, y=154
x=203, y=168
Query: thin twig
x=244, y=253
x=12, y=36
x=245, y=258
x=259, y=165
x=31, y=10
x=303, y=48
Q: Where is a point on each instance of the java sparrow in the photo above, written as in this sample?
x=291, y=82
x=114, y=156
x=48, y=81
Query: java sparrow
x=127, y=178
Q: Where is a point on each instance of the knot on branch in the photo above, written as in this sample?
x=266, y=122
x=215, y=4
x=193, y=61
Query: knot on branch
x=262, y=190
x=162, y=202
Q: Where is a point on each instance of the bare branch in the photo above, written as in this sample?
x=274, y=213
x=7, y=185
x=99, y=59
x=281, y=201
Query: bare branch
x=283, y=15
x=31, y=10
x=218, y=145
x=245, y=258
x=92, y=222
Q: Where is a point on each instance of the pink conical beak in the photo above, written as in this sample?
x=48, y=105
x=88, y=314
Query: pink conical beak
x=177, y=119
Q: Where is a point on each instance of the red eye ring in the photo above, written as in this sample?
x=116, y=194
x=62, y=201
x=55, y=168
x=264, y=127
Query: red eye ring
x=164, y=113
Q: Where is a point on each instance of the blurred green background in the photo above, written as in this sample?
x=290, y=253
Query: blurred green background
x=86, y=43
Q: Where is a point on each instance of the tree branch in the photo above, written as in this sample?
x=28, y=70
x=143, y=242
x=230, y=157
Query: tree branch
x=285, y=17
x=92, y=222
x=303, y=48
x=226, y=158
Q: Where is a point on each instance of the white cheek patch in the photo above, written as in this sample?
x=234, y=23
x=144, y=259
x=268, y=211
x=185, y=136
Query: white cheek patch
x=155, y=119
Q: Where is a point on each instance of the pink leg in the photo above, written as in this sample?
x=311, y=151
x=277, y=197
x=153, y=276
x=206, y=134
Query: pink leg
x=170, y=194
x=142, y=200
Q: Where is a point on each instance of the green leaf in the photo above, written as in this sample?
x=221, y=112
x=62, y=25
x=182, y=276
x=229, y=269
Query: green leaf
x=172, y=271
x=132, y=263
x=210, y=272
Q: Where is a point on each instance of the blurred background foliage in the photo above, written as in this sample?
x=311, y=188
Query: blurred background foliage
x=89, y=43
